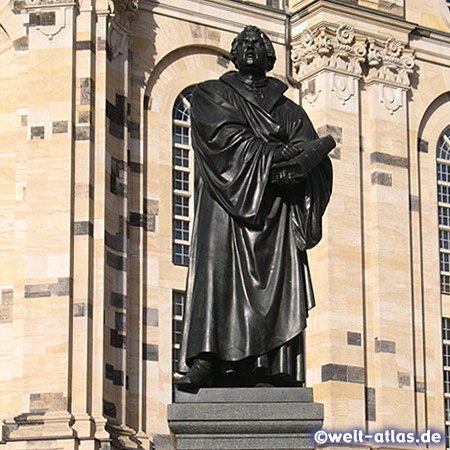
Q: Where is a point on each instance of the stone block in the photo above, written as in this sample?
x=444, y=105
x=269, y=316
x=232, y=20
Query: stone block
x=150, y=352
x=245, y=418
x=353, y=338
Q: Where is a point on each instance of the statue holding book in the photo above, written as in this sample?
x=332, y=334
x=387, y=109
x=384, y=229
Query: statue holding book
x=263, y=182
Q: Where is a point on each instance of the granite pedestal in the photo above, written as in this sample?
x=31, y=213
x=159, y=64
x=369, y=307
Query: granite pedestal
x=245, y=418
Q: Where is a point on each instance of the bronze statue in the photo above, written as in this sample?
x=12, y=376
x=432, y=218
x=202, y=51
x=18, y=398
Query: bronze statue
x=264, y=181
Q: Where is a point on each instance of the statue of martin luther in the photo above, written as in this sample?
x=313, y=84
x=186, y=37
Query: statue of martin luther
x=258, y=208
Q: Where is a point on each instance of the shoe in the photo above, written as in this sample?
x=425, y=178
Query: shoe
x=197, y=377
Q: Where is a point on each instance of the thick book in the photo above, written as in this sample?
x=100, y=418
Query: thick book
x=312, y=153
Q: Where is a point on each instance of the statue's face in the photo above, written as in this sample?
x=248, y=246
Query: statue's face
x=251, y=54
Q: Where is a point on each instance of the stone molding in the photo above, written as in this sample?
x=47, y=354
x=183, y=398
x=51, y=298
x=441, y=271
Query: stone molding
x=344, y=51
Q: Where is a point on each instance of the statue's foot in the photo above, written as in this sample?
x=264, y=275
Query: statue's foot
x=197, y=377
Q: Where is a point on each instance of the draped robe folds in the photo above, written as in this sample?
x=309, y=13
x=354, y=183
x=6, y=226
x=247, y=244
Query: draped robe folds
x=248, y=288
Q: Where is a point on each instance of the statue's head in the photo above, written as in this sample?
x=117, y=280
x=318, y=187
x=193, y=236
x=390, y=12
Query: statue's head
x=252, y=51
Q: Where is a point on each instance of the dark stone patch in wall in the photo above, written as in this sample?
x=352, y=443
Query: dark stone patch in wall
x=162, y=442
x=42, y=18
x=148, y=218
x=60, y=126
x=84, y=116
x=116, y=116
x=223, y=61
x=414, y=203
x=115, y=241
x=82, y=309
x=353, y=338
x=118, y=300
x=355, y=374
x=336, y=132
x=109, y=371
x=79, y=309
x=109, y=409
x=136, y=219
x=7, y=297
x=6, y=315
x=117, y=185
x=120, y=321
x=151, y=318
x=83, y=227
x=151, y=210
x=24, y=120
x=21, y=44
x=423, y=146
x=273, y=4
x=118, y=377
x=342, y=372
x=84, y=133
x=135, y=167
x=150, y=352
x=18, y=6
x=371, y=404
x=420, y=387
x=60, y=289
x=196, y=30
x=101, y=44
x=86, y=91
x=334, y=372
x=381, y=178
x=85, y=45
x=382, y=346
x=48, y=401
x=115, y=261
x=390, y=160
x=117, y=340
x=404, y=379
x=133, y=128
x=37, y=133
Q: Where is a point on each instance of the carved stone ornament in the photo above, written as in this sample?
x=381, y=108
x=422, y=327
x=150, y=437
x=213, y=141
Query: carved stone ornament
x=122, y=14
x=339, y=50
x=390, y=62
x=50, y=17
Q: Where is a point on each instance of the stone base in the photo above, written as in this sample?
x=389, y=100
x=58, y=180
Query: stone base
x=245, y=418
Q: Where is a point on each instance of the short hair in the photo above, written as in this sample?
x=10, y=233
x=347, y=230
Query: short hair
x=271, y=58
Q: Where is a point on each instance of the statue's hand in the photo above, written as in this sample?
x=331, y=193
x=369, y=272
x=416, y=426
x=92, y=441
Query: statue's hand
x=285, y=178
x=286, y=153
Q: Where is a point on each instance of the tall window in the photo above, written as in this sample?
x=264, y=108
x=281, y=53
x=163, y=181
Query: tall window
x=183, y=183
x=443, y=176
x=178, y=300
x=446, y=365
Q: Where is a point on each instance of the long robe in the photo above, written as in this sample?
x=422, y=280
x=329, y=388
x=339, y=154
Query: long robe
x=248, y=287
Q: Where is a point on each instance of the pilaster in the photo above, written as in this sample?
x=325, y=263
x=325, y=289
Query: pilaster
x=327, y=60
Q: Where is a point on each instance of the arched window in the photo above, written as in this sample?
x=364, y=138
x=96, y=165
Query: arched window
x=183, y=178
x=443, y=176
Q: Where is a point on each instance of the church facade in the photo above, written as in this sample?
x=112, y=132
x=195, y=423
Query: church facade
x=96, y=208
